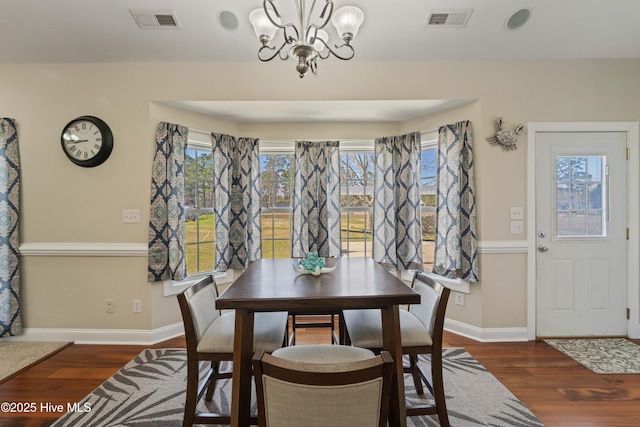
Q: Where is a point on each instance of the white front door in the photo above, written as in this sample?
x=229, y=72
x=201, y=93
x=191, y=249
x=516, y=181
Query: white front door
x=581, y=227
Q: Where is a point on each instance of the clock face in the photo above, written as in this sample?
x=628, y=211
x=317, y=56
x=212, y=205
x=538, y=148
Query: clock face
x=82, y=140
x=87, y=141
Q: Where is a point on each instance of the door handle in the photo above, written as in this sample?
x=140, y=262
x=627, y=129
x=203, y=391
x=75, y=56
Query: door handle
x=542, y=248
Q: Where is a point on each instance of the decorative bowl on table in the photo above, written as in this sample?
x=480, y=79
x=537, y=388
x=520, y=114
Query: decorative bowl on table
x=312, y=264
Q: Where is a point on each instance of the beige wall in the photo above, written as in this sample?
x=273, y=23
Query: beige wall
x=63, y=203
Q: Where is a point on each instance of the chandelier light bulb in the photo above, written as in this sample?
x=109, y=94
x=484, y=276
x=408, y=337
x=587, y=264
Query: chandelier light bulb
x=347, y=21
x=262, y=25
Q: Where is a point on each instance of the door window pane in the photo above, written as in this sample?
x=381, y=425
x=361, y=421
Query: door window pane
x=580, y=192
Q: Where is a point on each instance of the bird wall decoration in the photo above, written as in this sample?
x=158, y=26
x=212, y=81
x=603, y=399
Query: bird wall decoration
x=506, y=138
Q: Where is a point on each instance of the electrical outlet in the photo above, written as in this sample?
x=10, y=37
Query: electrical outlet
x=110, y=306
x=516, y=213
x=131, y=216
x=459, y=298
x=137, y=306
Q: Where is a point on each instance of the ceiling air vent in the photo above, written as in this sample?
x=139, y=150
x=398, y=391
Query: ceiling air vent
x=450, y=18
x=155, y=19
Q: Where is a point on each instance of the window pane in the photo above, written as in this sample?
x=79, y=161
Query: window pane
x=267, y=249
x=190, y=193
x=428, y=249
x=206, y=228
x=562, y=169
x=190, y=228
x=563, y=223
x=206, y=256
x=428, y=226
x=594, y=168
x=267, y=226
x=191, y=257
x=594, y=197
x=283, y=196
x=577, y=224
x=428, y=167
x=594, y=223
x=563, y=195
x=578, y=197
x=266, y=194
x=428, y=200
x=205, y=193
x=282, y=249
x=356, y=234
x=578, y=168
x=282, y=225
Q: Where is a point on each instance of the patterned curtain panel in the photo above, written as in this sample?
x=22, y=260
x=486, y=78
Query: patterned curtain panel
x=456, y=250
x=10, y=320
x=236, y=203
x=166, y=222
x=397, y=242
x=316, y=205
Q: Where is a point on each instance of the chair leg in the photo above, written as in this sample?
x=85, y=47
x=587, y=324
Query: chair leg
x=192, y=394
x=438, y=388
x=292, y=340
x=215, y=371
x=415, y=373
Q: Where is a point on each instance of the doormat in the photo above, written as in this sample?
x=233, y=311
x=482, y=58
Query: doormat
x=18, y=356
x=601, y=355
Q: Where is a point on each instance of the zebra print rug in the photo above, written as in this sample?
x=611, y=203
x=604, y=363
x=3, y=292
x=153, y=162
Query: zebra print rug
x=149, y=391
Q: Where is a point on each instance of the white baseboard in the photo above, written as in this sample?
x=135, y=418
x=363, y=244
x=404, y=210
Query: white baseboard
x=102, y=336
x=486, y=334
x=143, y=337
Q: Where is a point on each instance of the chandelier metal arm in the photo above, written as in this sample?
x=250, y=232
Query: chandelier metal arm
x=333, y=52
x=274, y=22
x=278, y=52
x=313, y=27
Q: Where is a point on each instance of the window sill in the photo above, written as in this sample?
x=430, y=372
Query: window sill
x=172, y=287
x=456, y=285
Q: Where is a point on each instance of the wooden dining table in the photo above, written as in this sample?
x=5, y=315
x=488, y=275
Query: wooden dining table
x=273, y=285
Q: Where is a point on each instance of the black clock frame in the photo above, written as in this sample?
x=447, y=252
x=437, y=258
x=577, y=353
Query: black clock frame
x=107, y=142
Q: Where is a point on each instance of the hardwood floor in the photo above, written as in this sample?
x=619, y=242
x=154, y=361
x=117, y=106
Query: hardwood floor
x=559, y=391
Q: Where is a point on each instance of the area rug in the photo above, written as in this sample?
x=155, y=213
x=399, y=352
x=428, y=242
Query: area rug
x=20, y=355
x=601, y=355
x=149, y=391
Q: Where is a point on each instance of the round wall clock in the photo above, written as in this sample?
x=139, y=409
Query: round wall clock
x=87, y=141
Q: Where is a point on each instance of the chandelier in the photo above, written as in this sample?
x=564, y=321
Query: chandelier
x=306, y=41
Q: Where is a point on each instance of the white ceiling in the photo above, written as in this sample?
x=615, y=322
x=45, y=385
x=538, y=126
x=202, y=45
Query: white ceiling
x=70, y=31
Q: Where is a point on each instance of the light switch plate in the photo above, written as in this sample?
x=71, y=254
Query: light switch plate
x=131, y=216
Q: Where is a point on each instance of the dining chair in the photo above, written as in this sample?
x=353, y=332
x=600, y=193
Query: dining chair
x=323, y=385
x=209, y=337
x=420, y=333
